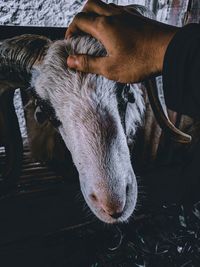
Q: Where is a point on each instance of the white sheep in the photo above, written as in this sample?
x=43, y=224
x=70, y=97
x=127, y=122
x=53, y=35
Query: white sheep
x=91, y=127
x=86, y=111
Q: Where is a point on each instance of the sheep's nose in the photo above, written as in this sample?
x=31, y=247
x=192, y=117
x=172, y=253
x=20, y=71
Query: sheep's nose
x=113, y=208
x=116, y=215
x=115, y=211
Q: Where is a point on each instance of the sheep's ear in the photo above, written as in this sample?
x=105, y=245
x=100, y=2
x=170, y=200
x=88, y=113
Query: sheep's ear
x=131, y=108
x=39, y=116
x=133, y=116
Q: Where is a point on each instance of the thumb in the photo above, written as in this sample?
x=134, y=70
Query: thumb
x=86, y=63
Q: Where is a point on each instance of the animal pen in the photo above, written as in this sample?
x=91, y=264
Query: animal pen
x=44, y=220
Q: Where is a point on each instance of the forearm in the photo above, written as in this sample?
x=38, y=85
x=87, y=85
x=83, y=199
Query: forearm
x=181, y=71
x=161, y=38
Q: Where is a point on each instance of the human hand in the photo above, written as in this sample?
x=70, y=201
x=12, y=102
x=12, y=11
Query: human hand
x=135, y=45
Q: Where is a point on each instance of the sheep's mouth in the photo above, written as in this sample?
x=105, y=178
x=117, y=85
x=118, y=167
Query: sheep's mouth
x=106, y=218
x=124, y=218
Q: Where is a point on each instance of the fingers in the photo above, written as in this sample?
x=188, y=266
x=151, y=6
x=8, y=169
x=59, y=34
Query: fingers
x=97, y=65
x=87, y=63
x=87, y=20
x=83, y=22
x=100, y=8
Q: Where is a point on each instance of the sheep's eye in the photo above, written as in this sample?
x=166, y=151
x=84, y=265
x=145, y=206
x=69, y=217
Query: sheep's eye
x=39, y=116
x=44, y=111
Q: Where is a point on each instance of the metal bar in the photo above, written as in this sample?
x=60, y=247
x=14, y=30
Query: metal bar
x=54, y=33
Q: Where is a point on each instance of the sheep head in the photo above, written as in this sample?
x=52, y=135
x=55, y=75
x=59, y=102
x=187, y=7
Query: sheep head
x=91, y=127
x=87, y=113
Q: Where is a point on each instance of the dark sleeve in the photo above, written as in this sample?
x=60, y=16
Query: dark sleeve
x=181, y=71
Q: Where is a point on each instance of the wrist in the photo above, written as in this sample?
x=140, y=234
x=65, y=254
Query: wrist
x=163, y=39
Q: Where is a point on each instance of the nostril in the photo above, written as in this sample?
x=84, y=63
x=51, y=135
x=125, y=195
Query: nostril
x=116, y=215
x=93, y=197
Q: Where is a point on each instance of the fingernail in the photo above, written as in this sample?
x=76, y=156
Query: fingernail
x=72, y=61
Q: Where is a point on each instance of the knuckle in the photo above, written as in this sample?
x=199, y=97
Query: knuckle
x=78, y=16
x=104, y=22
x=84, y=16
x=90, y=4
x=101, y=22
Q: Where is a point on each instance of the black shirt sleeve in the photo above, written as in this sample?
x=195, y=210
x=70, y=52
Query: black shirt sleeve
x=181, y=72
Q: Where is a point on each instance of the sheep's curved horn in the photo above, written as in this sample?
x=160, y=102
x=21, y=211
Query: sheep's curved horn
x=161, y=118
x=19, y=54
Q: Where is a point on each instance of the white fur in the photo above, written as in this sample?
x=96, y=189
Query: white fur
x=87, y=106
